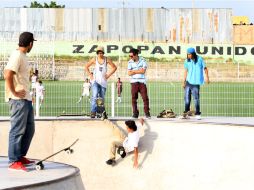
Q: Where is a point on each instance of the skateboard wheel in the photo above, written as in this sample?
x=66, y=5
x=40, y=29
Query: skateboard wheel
x=39, y=167
x=69, y=151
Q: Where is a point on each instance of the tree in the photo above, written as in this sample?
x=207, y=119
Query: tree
x=52, y=4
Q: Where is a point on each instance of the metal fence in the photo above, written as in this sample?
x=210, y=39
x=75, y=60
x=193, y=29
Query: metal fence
x=229, y=94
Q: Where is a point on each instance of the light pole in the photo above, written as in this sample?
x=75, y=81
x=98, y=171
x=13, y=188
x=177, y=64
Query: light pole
x=193, y=4
x=52, y=29
x=165, y=22
x=121, y=18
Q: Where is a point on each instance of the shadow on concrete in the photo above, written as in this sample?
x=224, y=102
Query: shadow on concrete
x=146, y=143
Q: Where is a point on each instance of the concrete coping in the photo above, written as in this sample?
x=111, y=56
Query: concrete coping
x=233, y=121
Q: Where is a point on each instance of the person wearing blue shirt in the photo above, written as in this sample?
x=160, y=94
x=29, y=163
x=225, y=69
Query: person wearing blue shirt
x=194, y=69
x=136, y=70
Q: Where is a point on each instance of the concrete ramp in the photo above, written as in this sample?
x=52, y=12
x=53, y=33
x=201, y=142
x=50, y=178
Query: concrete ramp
x=173, y=155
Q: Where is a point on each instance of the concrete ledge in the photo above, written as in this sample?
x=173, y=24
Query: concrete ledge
x=242, y=121
x=54, y=176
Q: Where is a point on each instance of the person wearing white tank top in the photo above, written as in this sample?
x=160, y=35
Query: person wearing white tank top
x=100, y=76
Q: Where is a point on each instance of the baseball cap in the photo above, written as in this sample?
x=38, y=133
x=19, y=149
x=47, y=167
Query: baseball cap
x=191, y=50
x=25, y=39
x=100, y=49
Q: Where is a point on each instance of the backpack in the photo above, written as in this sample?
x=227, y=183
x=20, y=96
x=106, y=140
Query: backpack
x=167, y=114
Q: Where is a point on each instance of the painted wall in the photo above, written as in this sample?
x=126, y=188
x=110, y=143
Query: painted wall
x=158, y=25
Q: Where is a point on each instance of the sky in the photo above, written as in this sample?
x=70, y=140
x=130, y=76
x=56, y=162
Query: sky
x=240, y=8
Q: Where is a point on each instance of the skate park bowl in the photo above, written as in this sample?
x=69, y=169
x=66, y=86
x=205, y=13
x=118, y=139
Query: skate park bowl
x=213, y=153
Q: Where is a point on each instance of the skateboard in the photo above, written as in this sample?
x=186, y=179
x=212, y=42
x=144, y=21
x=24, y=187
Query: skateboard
x=184, y=116
x=104, y=115
x=40, y=166
x=187, y=115
x=101, y=112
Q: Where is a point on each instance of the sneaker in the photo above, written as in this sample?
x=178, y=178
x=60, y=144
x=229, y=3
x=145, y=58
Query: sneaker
x=18, y=166
x=25, y=161
x=135, y=115
x=148, y=116
x=111, y=162
x=93, y=114
x=198, y=117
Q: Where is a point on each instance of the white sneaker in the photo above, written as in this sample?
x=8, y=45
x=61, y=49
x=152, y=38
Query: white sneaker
x=198, y=117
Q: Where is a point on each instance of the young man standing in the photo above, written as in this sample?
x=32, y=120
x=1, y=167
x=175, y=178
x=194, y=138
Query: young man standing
x=100, y=76
x=85, y=91
x=136, y=69
x=40, y=92
x=17, y=84
x=194, y=67
x=34, y=79
x=119, y=87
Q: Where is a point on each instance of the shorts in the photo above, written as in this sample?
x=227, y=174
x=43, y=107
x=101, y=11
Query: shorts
x=85, y=93
x=41, y=97
x=33, y=85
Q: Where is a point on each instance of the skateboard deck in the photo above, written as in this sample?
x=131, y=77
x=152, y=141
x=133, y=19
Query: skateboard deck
x=40, y=166
x=184, y=116
x=187, y=115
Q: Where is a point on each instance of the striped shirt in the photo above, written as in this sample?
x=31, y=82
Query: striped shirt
x=137, y=66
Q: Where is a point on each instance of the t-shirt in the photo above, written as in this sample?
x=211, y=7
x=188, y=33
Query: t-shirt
x=195, y=74
x=131, y=141
x=119, y=87
x=39, y=89
x=33, y=79
x=137, y=66
x=86, y=86
x=18, y=63
x=119, y=84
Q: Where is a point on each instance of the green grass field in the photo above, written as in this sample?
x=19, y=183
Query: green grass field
x=217, y=99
